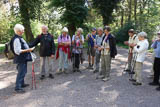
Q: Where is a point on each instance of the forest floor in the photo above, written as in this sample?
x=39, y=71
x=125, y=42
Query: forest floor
x=79, y=89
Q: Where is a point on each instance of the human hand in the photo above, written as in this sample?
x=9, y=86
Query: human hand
x=52, y=56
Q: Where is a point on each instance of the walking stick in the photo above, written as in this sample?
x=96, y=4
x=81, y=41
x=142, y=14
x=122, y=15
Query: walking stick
x=33, y=73
x=33, y=76
x=133, y=65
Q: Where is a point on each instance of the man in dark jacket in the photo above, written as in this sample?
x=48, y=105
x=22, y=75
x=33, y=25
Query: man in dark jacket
x=47, y=51
x=108, y=51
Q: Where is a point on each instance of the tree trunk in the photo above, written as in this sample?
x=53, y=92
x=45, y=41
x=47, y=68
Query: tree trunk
x=122, y=17
x=135, y=11
x=130, y=10
x=25, y=20
x=72, y=29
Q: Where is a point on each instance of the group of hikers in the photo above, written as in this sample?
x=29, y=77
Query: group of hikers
x=101, y=50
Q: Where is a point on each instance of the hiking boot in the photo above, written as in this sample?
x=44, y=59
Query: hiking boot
x=20, y=91
x=79, y=71
x=59, y=71
x=158, y=88
x=42, y=77
x=100, y=77
x=154, y=84
x=133, y=80
x=65, y=71
x=95, y=71
x=51, y=76
x=106, y=79
x=137, y=83
x=25, y=85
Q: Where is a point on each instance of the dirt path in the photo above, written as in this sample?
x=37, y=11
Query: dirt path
x=79, y=90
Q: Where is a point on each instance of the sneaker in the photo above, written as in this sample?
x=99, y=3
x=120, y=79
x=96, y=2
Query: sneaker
x=59, y=71
x=51, y=76
x=42, y=77
x=25, y=85
x=127, y=70
x=95, y=71
x=100, y=77
x=65, y=70
x=137, y=83
x=74, y=69
x=133, y=80
x=106, y=79
x=153, y=84
x=79, y=71
x=89, y=66
x=158, y=88
x=20, y=91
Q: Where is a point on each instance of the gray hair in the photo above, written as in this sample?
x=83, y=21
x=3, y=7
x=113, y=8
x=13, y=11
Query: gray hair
x=80, y=29
x=100, y=29
x=18, y=27
x=142, y=34
x=44, y=26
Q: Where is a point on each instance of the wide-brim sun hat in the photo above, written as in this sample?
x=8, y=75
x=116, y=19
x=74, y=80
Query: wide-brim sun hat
x=65, y=29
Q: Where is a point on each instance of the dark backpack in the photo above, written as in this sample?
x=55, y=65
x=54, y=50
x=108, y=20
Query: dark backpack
x=8, y=50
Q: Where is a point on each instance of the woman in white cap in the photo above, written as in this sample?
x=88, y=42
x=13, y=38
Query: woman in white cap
x=140, y=51
x=63, y=51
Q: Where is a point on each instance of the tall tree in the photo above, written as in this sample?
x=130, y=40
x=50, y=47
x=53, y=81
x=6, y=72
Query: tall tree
x=74, y=12
x=29, y=9
x=105, y=8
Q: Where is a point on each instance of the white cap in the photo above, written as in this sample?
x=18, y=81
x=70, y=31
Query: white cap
x=65, y=29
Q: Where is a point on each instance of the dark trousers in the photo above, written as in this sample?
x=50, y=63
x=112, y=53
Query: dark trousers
x=76, y=60
x=22, y=70
x=156, y=70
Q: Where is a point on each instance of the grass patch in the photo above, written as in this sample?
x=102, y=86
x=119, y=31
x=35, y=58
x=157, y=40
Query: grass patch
x=1, y=49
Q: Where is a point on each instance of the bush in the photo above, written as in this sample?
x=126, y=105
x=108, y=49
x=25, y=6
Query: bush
x=122, y=33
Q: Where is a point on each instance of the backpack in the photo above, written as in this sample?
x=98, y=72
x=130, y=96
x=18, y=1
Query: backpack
x=8, y=51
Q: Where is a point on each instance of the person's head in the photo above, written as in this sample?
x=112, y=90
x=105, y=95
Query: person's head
x=94, y=31
x=19, y=29
x=107, y=30
x=131, y=32
x=79, y=31
x=142, y=36
x=44, y=29
x=64, y=31
x=100, y=31
x=158, y=34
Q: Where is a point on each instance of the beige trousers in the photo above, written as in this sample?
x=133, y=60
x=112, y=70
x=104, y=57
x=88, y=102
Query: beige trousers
x=138, y=71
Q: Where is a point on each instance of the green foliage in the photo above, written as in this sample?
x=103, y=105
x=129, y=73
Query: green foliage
x=74, y=12
x=105, y=8
x=122, y=33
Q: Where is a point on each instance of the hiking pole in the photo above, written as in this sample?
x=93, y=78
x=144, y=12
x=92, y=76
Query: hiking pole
x=33, y=76
x=33, y=73
x=133, y=65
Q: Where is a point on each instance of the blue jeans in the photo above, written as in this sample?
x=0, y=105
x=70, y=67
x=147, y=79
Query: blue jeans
x=63, y=60
x=22, y=70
